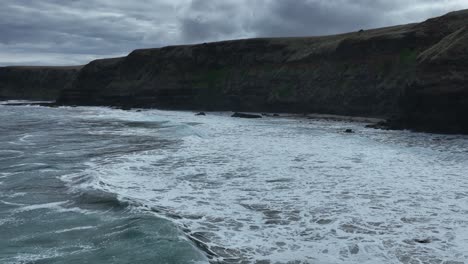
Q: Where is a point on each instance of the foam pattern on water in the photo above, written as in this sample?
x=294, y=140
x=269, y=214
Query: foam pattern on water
x=297, y=191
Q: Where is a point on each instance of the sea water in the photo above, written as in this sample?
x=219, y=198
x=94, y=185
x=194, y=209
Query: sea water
x=100, y=185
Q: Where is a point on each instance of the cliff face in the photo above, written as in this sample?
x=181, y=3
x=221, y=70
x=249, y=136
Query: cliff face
x=345, y=74
x=437, y=98
x=35, y=83
x=416, y=74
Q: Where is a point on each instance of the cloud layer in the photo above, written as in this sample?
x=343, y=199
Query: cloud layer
x=57, y=32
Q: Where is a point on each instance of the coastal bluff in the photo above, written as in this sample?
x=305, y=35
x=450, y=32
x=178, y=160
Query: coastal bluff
x=35, y=82
x=413, y=75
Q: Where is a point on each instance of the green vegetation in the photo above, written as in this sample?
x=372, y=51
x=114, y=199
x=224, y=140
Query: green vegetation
x=408, y=57
x=211, y=78
x=282, y=92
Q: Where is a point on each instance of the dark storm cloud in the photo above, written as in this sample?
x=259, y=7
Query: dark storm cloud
x=75, y=31
x=51, y=31
x=210, y=20
x=316, y=17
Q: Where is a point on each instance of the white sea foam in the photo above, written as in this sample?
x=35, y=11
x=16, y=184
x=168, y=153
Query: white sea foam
x=5, y=174
x=23, y=140
x=79, y=228
x=32, y=258
x=12, y=204
x=16, y=194
x=6, y=220
x=47, y=254
x=289, y=190
x=22, y=102
x=37, y=164
x=55, y=206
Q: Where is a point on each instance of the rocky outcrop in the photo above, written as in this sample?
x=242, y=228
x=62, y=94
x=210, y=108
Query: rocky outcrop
x=35, y=83
x=244, y=115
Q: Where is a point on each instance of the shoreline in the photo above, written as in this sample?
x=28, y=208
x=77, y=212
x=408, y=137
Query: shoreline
x=329, y=117
x=379, y=123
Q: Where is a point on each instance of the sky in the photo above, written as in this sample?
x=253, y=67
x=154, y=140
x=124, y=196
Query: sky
x=72, y=32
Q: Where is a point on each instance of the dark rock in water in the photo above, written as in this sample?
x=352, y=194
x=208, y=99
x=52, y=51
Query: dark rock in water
x=379, y=125
x=139, y=110
x=423, y=241
x=393, y=123
x=349, y=131
x=270, y=115
x=354, y=249
x=201, y=114
x=243, y=115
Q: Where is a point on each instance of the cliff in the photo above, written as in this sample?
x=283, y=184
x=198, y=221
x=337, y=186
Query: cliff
x=436, y=99
x=415, y=75
x=35, y=83
x=354, y=74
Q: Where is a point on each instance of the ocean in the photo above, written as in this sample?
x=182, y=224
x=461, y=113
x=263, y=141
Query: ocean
x=102, y=185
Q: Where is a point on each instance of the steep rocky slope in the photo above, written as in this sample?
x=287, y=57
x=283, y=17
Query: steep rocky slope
x=345, y=74
x=436, y=99
x=35, y=83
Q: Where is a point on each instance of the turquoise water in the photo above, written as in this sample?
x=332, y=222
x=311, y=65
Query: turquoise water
x=42, y=220
x=99, y=185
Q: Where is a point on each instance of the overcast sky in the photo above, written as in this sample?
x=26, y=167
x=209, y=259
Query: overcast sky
x=67, y=32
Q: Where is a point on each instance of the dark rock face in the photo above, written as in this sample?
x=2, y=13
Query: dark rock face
x=87, y=88
x=414, y=73
x=436, y=99
x=243, y=115
x=35, y=83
